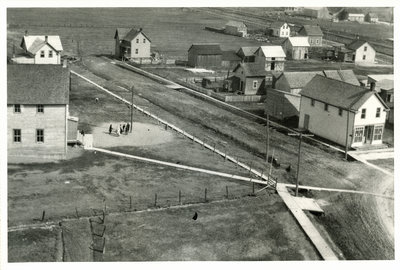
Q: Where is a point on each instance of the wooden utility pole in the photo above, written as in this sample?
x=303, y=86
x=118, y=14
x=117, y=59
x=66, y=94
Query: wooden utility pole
x=267, y=140
x=347, y=137
x=300, y=135
x=132, y=87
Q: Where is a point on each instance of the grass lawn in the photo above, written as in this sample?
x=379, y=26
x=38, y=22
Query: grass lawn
x=387, y=164
x=252, y=228
x=34, y=245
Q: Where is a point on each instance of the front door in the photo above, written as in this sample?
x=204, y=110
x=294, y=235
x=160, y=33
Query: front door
x=354, y=57
x=273, y=66
x=306, y=121
x=369, y=130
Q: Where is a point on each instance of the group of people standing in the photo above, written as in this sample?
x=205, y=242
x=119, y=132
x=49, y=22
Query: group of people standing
x=121, y=129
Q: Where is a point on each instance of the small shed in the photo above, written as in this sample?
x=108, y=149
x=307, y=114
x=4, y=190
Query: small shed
x=236, y=28
x=296, y=48
x=230, y=59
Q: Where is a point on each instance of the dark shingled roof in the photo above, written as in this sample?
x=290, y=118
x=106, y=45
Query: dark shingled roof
x=312, y=30
x=357, y=43
x=37, y=84
x=338, y=93
x=346, y=75
x=252, y=69
x=127, y=34
x=206, y=49
x=230, y=56
x=247, y=51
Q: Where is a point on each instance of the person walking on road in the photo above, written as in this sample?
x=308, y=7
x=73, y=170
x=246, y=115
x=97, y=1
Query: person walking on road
x=123, y=129
x=110, y=129
x=127, y=128
x=117, y=131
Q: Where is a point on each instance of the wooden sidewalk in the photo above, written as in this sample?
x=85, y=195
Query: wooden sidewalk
x=320, y=244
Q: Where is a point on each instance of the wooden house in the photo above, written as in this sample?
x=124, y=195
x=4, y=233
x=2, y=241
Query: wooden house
x=132, y=44
x=296, y=48
x=236, y=28
x=205, y=55
x=40, y=49
x=356, y=17
x=230, y=59
x=314, y=34
x=247, y=54
x=251, y=78
x=359, y=51
x=271, y=57
x=371, y=17
x=37, y=110
x=280, y=29
x=342, y=113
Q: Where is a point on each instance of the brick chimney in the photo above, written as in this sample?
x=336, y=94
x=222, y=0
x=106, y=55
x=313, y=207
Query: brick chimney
x=372, y=86
x=26, y=32
x=46, y=38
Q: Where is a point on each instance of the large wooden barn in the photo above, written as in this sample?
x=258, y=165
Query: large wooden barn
x=205, y=55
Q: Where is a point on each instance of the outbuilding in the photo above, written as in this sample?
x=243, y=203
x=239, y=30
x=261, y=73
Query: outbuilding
x=314, y=34
x=205, y=55
x=236, y=28
x=296, y=48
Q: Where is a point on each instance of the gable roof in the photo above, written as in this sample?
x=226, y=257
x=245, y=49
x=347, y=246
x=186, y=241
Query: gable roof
x=299, y=41
x=343, y=75
x=247, y=51
x=272, y=51
x=121, y=32
x=299, y=79
x=385, y=84
x=277, y=24
x=37, y=84
x=129, y=34
x=338, y=93
x=34, y=43
x=379, y=77
x=206, y=49
x=252, y=69
x=357, y=43
x=230, y=56
x=312, y=30
x=236, y=24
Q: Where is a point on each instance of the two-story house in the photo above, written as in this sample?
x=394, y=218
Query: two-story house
x=251, y=78
x=132, y=44
x=37, y=110
x=272, y=58
x=280, y=29
x=358, y=51
x=342, y=112
x=314, y=34
x=40, y=49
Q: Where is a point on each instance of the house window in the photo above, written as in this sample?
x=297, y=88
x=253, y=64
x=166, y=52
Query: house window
x=326, y=107
x=378, y=131
x=363, y=113
x=40, y=108
x=365, y=48
x=50, y=54
x=378, y=112
x=340, y=112
x=137, y=40
x=137, y=51
x=17, y=108
x=17, y=135
x=255, y=84
x=364, y=57
x=317, y=41
x=40, y=135
x=144, y=40
x=272, y=58
x=313, y=102
x=358, y=134
x=389, y=98
x=311, y=41
x=41, y=54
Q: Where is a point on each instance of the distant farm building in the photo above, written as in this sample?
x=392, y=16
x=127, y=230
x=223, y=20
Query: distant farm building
x=39, y=50
x=37, y=110
x=247, y=54
x=296, y=48
x=293, y=10
x=205, y=55
x=236, y=28
x=327, y=105
x=356, y=17
x=316, y=12
x=314, y=34
x=280, y=29
x=358, y=51
x=371, y=18
x=132, y=44
x=250, y=78
x=271, y=58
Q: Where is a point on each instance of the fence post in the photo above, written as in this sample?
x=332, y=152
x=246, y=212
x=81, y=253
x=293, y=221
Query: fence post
x=76, y=211
x=205, y=195
x=130, y=202
x=253, y=188
x=43, y=214
x=227, y=192
x=180, y=197
x=155, y=199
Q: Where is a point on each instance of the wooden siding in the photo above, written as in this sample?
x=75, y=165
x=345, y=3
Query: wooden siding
x=55, y=60
x=54, y=123
x=281, y=104
x=205, y=61
x=143, y=47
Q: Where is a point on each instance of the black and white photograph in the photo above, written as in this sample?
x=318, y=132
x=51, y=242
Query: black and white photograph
x=199, y=132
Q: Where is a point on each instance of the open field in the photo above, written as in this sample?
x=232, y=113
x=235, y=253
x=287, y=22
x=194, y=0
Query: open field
x=172, y=31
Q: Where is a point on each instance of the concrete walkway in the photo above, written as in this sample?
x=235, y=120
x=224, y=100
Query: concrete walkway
x=320, y=244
